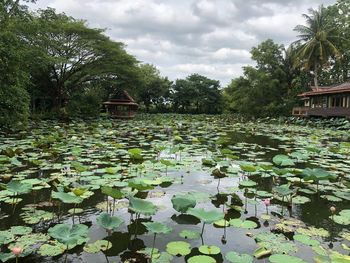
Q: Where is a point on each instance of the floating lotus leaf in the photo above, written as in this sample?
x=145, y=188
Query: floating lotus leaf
x=208, y=162
x=188, y=234
x=141, y=206
x=247, y=224
x=69, y=235
x=20, y=230
x=157, y=228
x=331, y=198
x=234, y=257
x=67, y=198
x=313, y=231
x=247, y=183
x=343, y=218
x=109, y=222
x=283, y=160
x=300, y=199
x=207, y=217
x=163, y=258
x=52, y=250
x=182, y=203
x=178, y=248
x=221, y=223
x=209, y=250
x=248, y=168
x=273, y=243
x=201, y=259
x=306, y=240
x=278, y=258
x=97, y=246
x=135, y=153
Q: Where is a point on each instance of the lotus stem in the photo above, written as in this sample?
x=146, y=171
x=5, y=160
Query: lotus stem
x=65, y=260
x=203, y=229
x=16, y=259
x=218, y=184
x=154, y=243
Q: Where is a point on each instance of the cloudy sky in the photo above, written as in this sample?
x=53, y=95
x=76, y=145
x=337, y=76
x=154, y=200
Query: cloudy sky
x=180, y=37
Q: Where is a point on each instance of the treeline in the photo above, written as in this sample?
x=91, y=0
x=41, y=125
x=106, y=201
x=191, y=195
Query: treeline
x=320, y=56
x=55, y=65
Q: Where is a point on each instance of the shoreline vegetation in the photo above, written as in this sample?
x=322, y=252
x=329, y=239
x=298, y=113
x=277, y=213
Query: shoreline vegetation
x=53, y=65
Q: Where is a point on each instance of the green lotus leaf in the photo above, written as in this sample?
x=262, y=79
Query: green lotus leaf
x=313, y=231
x=157, y=228
x=16, y=187
x=163, y=258
x=247, y=183
x=69, y=235
x=97, y=246
x=112, y=192
x=20, y=230
x=208, y=162
x=188, y=234
x=141, y=206
x=135, y=153
x=6, y=256
x=234, y=257
x=278, y=258
x=178, y=248
x=207, y=217
x=283, y=190
x=300, y=199
x=246, y=224
x=283, y=160
x=75, y=211
x=343, y=218
x=182, y=203
x=201, y=259
x=248, y=168
x=317, y=174
x=48, y=250
x=209, y=250
x=6, y=237
x=221, y=223
x=67, y=198
x=109, y=222
x=306, y=240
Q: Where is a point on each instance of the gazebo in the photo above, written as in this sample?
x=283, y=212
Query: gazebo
x=331, y=101
x=121, y=106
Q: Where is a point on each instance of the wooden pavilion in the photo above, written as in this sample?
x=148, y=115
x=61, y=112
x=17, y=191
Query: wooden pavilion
x=331, y=101
x=121, y=106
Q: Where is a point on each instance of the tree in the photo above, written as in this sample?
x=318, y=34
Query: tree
x=197, y=94
x=74, y=56
x=153, y=88
x=263, y=90
x=14, y=78
x=317, y=42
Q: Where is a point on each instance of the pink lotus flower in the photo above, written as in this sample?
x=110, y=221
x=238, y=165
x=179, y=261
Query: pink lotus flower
x=267, y=202
x=16, y=251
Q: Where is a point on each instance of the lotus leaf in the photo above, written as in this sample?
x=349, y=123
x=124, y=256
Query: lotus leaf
x=247, y=224
x=201, y=259
x=182, y=203
x=143, y=207
x=209, y=250
x=69, y=235
x=247, y=183
x=67, y=198
x=52, y=250
x=157, y=228
x=189, y=234
x=283, y=160
x=97, y=246
x=178, y=248
x=109, y=222
x=234, y=257
x=207, y=217
x=17, y=187
x=306, y=240
x=112, y=192
x=278, y=258
x=343, y=218
x=317, y=174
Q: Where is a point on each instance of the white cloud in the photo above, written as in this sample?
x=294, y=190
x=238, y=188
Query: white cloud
x=209, y=37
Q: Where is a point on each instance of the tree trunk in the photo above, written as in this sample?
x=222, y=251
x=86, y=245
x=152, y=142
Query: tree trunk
x=316, y=75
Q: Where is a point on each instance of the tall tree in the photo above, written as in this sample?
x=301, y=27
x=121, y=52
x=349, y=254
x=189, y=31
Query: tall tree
x=74, y=55
x=317, y=40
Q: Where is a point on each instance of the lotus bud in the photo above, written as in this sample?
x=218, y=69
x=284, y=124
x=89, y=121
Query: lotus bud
x=332, y=209
x=267, y=202
x=16, y=251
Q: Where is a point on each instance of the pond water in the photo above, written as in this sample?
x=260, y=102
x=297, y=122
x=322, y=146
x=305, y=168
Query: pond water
x=273, y=185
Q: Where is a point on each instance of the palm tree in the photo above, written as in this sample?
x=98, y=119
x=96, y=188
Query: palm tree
x=316, y=44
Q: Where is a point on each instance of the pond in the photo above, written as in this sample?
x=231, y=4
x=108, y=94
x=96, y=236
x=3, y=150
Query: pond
x=174, y=188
